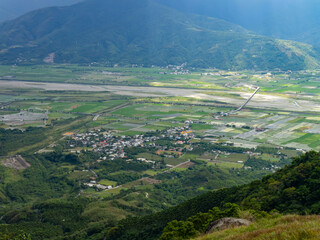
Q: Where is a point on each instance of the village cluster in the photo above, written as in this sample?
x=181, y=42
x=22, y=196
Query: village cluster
x=113, y=146
x=168, y=144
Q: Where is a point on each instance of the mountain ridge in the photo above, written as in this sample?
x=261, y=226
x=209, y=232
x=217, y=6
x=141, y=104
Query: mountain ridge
x=283, y=19
x=144, y=33
x=10, y=9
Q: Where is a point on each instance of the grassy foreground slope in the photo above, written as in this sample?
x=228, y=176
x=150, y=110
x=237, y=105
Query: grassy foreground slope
x=290, y=227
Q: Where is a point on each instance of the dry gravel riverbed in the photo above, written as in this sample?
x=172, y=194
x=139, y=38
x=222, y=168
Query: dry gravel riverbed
x=259, y=100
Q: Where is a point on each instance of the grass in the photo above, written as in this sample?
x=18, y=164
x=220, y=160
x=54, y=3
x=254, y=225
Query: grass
x=131, y=133
x=150, y=172
x=97, y=106
x=226, y=164
x=60, y=115
x=113, y=191
x=310, y=139
x=108, y=182
x=153, y=127
x=83, y=107
x=96, y=211
x=234, y=157
x=290, y=227
x=149, y=156
x=269, y=157
x=53, y=134
x=179, y=169
x=12, y=175
x=80, y=175
x=198, y=127
x=174, y=161
x=188, y=156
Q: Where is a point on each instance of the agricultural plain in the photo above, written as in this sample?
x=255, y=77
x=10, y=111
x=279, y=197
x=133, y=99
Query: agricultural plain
x=138, y=140
x=136, y=100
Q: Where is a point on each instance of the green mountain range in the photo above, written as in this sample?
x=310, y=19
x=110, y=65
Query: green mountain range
x=311, y=36
x=285, y=19
x=143, y=32
x=10, y=9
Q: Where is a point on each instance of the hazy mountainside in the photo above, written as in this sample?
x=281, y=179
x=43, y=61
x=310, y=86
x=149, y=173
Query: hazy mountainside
x=311, y=36
x=10, y=9
x=294, y=189
x=284, y=19
x=281, y=19
x=143, y=32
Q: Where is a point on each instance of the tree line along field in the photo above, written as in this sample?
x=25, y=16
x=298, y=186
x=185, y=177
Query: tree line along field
x=217, y=151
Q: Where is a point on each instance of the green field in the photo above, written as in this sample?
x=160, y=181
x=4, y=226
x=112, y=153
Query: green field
x=108, y=182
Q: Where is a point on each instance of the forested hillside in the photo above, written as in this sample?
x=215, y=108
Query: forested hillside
x=294, y=189
x=285, y=19
x=10, y=9
x=145, y=33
